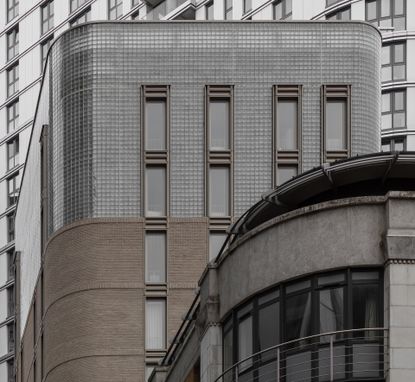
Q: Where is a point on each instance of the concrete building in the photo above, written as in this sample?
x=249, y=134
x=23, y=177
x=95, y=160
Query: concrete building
x=28, y=27
x=317, y=284
x=149, y=140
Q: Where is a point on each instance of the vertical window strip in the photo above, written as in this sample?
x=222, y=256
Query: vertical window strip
x=287, y=135
x=47, y=14
x=335, y=118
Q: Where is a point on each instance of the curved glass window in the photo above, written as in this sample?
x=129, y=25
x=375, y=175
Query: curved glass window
x=291, y=312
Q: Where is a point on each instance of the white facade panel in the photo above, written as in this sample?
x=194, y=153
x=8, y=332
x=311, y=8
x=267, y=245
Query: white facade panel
x=306, y=9
x=3, y=304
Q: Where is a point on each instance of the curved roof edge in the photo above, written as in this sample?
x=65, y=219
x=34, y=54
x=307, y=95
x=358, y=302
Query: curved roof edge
x=366, y=175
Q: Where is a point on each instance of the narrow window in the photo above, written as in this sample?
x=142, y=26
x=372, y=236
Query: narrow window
x=155, y=124
x=245, y=336
x=155, y=252
x=247, y=6
x=155, y=194
x=219, y=191
x=228, y=9
x=47, y=14
x=12, y=80
x=219, y=124
x=394, y=110
x=10, y=265
x=114, y=9
x=155, y=324
x=394, y=144
x=287, y=132
x=44, y=48
x=209, y=11
x=216, y=240
x=75, y=4
x=82, y=18
x=282, y=10
x=12, y=43
x=13, y=153
x=12, y=9
x=11, y=301
x=393, y=62
x=12, y=116
x=13, y=189
x=336, y=122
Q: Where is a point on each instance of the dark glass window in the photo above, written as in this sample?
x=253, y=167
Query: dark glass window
x=13, y=153
x=11, y=337
x=12, y=80
x=155, y=124
x=268, y=325
x=394, y=110
x=75, y=4
x=12, y=43
x=343, y=14
x=13, y=185
x=12, y=9
x=12, y=116
x=44, y=47
x=365, y=306
x=114, y=9
x=82, y=18
x=331, y=310
x=394, y=62
x=298, y=316
x=394, y=144
x=247, y=6
x=10, y=227
x=386, y=13
x=282, y=10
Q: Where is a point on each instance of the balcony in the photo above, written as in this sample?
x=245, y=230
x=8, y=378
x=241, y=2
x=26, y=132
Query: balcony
x=349, y=355
x=186, y=11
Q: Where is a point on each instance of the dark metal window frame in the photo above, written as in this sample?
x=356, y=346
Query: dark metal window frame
x=246, y=8
x=12, y=74
x=12, y=115
x=12, y=9
x=208, y=8
x=12, y=193
x=378, y=20
x=335, y=92
x=12, y=43
x=392, y=58
x=12, y=152
x=285, y=15
x=392, y=107
x=286, y=158
x=115, y=10
x=231, y=321
x=47, y=16
x=392, y=141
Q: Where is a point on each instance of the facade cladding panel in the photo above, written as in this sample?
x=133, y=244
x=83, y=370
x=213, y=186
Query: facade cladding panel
x=97, y=71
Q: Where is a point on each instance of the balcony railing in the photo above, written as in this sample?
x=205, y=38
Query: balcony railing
x=349, y=355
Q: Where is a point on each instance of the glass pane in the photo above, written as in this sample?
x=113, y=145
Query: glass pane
x=386, y=102
x=386, y=55
x=155, y=257
x=209, y=12
x=268, y=327
x=216, y=240
x=331, y=310
x=399, y=53
x=399, y=120
x=247, y=5
x=285, y=173
x=371, y=11
x=287, y=124
x=365, y=306
x=331, y=279
x=219, y=191
x=155, y=125
x=399, y=146
x=245, y=341
x=399, y=23
x=387, y=121
x=385, y=8
x=336, y=125
x=386, y=73
x=155, y=324
x=156, y=191
x=399, y=101
x=369, y=275
x=149, y=370
x=219, y=125
x=278, y=11
x=288, y=6
x=228, y=354
x=298, y=316
x=385, y=23
x=398, y=4
x=345, y=15
x=386, y=147
x=399, y=72
x=291, y=288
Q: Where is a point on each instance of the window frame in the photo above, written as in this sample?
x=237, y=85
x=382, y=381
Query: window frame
x=333, y=93
x=286, y=157
x=392, y=141
x=12, y=74
x=114, y=10
x=246, y=6
x=228, y=10
x=12, y=10
x=209, y=7
x=393, y=110
x=379, y=18
x=77, y=3
x=12, y=42
x=81, y=18
x=47, y=14
x=13, y=188
x=44, y=48
x=13, y=152
x=11, y=233
x=164, y=339
x=149, y=232
x=285, y=15
x=392, y=63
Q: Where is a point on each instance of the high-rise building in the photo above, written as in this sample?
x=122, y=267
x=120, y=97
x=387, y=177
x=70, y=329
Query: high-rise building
x=149, y=139
x=28, y=27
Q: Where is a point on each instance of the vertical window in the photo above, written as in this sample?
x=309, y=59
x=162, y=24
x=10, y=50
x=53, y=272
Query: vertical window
x=155, y=252
x=216, y=240
x=247, y=6
x=282, y=10
x=393, y=62
x=114, y=9
x=209, y=11
x=134, y=3
x=155, y=194
x=394, y=110
x=12, y=43
x=287, y=132
x=10, y=265
x=219, y=197
x=245, y=337
x=13, y=153
x=10, y=227
x=44, y=46
x=155, y=324
x=219, y=124
x=336, y=122
x=12, y=9
x=228, y=348
x=82, y=18
x=13, y=184
x=135, y=15
x=394, y=144
x=11, y=341
x=343, y=14
x=12, y=80
x=155, y=124
x=47, y=16
x=228, y=9
x=10, y=370
x=268, y=321
x=12, y=116
x=75, y=4
x=11, y=301
x=149, y=370
x=386, y=13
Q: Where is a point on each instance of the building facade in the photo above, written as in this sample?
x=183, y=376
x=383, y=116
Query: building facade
x=149, y=140
x=28, y=28
x=317, y=284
